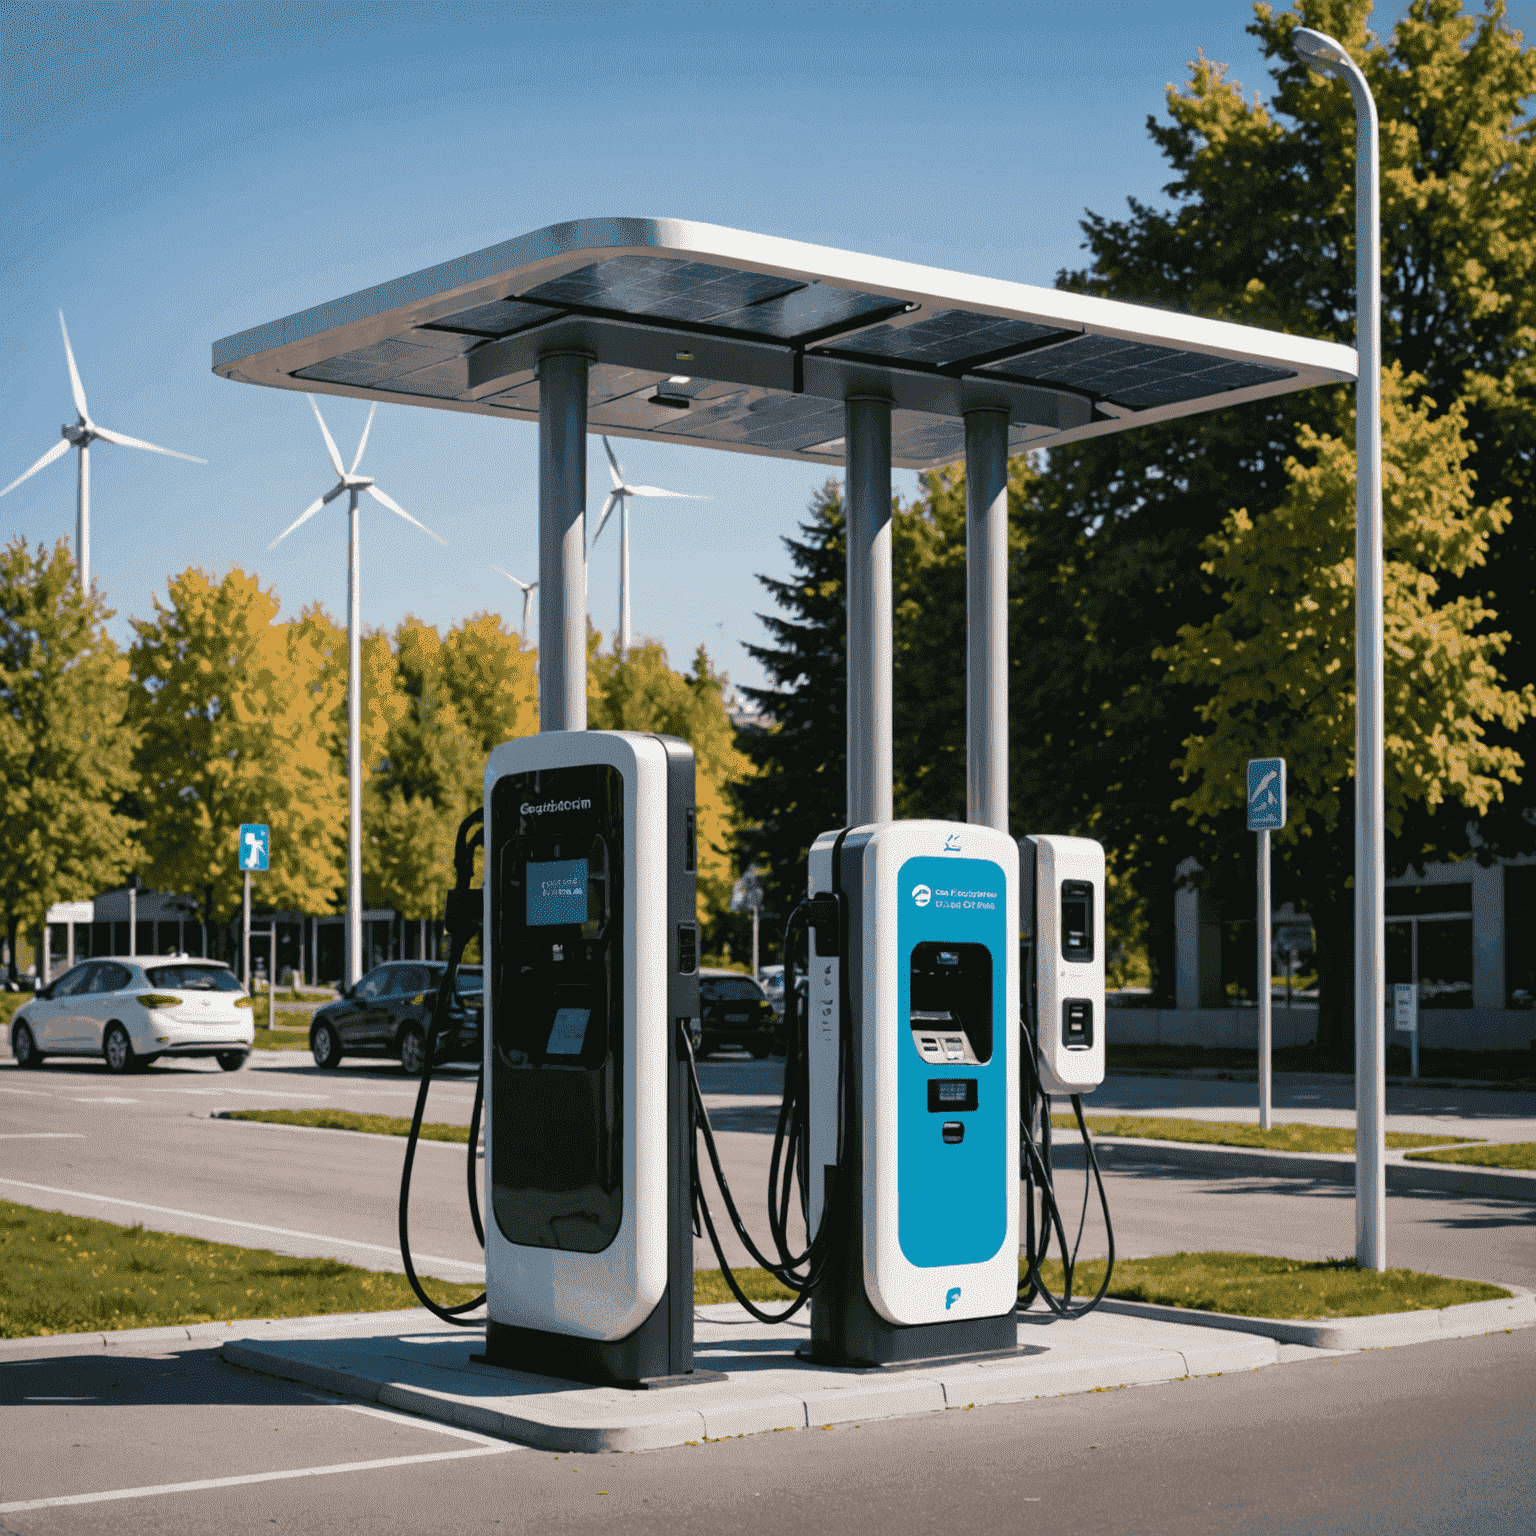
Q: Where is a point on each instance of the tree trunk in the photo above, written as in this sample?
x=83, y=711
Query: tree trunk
x=1334, y=928
x=1162, y=936
x=11, y=921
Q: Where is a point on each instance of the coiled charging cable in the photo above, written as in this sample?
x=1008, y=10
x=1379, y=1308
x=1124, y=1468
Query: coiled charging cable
x=463, y=922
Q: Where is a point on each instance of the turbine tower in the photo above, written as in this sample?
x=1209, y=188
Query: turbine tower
x=350, y=481
x=81, y=435
x=619, y=496
x=529, y=588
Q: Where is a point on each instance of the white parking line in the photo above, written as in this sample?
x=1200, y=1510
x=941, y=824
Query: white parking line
x=31, y=1093
x=102, y=1099
x=154, y=1490
x=228, y=1221
x=409, y=1421
x=43, y=1136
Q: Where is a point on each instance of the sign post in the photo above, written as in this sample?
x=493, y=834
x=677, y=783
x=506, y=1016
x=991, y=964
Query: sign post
x=1405, y=1015
x=1266, y=814
x=252, y=851
x=747, y=896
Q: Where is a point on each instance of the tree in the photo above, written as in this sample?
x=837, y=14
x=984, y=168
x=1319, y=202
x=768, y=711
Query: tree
x=234, y=713
x=643, y=693
x=1276, y=666
x=64, y=745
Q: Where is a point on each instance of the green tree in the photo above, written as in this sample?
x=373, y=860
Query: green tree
x=1276, y=666
x=233, y=711
x=64, y=746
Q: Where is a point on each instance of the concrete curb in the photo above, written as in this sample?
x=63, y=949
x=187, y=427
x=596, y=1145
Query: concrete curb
x=1465, y=1321
x=1337, y=1167
x=434, y=1378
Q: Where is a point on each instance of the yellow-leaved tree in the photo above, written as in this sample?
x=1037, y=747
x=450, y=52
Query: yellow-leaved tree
x=233, y=712
x=1277, y=667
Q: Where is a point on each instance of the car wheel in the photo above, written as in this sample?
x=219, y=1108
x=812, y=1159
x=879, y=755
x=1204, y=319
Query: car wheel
x=325, y=1047
x=117, y=1049
x=413, y=1051
x=24, y=1048
x=231, y=1061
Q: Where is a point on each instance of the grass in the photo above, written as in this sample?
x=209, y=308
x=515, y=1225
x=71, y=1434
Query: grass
x=1252, y=1285
x=69, y=1274
x=1229, y=1133
x=9, y=1003
x=1501, y=1067
x=1508, y=1154
x=347, y=1120
x=1247, y=1284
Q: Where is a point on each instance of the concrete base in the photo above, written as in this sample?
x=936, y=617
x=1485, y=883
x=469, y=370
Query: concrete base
x=429, y=1372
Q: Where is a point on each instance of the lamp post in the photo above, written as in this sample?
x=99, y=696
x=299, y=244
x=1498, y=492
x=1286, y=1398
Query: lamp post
x=1326, y=56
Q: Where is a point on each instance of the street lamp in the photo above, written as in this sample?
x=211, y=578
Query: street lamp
x=1326, y=56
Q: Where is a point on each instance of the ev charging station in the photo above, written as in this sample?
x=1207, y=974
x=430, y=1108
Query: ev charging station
x=686, y=333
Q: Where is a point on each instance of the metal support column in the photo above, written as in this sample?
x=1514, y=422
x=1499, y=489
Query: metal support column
x=83, y=519
x=353, y=970
x=562, y=541
x=867, y=512
x=986, y=617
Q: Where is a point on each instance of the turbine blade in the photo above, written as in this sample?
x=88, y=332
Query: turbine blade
x=527, y=586
x=363, y=441
x=602, y=522
x=613, y=466
x=330, y=442
x=309, y=513
x=62, y=446
x=124, y=441
x=656, y=490
x=395, y=507
x=74, y=373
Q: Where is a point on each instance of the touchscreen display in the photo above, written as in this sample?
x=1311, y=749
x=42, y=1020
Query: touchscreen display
x=557, y=892
x=569, y=1032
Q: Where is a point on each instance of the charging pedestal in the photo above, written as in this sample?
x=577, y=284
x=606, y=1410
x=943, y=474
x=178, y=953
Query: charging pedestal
x=914, y=1021
x=591, y=953
x=1061, y=880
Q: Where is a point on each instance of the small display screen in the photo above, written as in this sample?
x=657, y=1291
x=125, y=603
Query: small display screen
x=1076, y=920
x=568, y=1034
x=946, y=1095
x=557, y=892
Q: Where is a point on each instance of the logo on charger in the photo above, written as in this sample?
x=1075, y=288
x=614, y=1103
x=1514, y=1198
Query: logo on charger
x=952, y=843
x=921, y=895
x=951, y=1297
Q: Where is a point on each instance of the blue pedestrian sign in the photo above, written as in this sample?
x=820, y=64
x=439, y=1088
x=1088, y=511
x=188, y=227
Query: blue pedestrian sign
x=255, y=845
x=1266, y=794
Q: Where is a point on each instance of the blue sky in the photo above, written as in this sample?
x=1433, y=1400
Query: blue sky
x=179, y=173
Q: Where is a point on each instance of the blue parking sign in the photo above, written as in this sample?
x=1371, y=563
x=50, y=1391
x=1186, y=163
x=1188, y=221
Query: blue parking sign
x=254, y=847
x=1266, y=794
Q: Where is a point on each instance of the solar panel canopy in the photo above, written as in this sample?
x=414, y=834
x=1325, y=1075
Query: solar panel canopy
x=721, y=339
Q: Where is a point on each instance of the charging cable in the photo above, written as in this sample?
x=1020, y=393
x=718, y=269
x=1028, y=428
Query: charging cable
x=1035, y=1151
x=797, y=1272
x=463, y=923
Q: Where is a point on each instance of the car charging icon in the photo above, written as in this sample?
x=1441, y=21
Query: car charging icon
x=921, y=895
x=951, y=1297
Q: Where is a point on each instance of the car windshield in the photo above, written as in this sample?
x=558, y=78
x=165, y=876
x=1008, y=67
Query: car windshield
x=193, y=978
x=733, y=991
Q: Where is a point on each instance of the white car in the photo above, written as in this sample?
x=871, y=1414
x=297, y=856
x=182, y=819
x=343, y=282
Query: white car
x=133, y=1010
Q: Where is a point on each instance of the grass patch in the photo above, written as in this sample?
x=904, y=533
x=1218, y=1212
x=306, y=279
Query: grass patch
x=1230, y=1133
x=1252, y=1285
x=1515, y=1067
x=348, y=1120
x=1508, y=1154
x=9, y=1003
x=709, y=1286
x=70, y=1274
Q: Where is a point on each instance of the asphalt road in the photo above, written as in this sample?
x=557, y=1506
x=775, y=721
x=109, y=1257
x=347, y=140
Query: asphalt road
x=1405, y=1442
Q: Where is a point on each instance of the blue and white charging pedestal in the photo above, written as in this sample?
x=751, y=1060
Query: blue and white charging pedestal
x=914, y=1023
x=591, y=954
x=1061, y=881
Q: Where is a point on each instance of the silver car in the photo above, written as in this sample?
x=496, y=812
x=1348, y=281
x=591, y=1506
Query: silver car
x=132, y=1010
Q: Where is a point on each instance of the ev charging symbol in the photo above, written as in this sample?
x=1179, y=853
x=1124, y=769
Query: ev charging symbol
x=951, y=1297
x=921, y=895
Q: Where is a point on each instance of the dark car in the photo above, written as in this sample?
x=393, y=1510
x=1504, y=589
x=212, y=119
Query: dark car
x=734, y=1010
x=388, y=1011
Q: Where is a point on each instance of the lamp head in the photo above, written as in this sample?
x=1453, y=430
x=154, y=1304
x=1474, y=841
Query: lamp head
x=1319, y=51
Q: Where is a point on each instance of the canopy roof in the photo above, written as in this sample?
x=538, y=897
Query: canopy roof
x=720, y=339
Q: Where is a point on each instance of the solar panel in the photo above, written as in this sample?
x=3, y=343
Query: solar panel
x=950, y=336
x=498, y=319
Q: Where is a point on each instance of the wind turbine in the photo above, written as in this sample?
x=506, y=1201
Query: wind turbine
x=81, y=436
x=529, y=588
x=350, y=481
x=619, y=496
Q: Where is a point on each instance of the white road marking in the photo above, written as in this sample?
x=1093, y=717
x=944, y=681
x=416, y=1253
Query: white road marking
x=43, y=1136
x=31, y=1093
x=229, y=1221
x=409, y=1421
x=104, y=1100
x=154, y=1490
